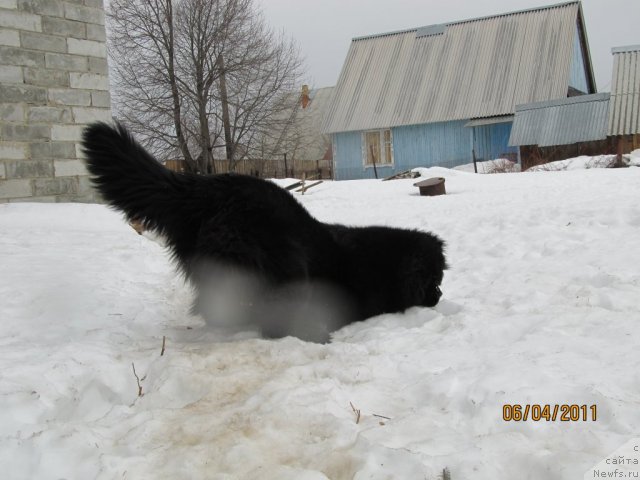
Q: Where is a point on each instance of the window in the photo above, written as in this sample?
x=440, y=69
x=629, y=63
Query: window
x=378, y=148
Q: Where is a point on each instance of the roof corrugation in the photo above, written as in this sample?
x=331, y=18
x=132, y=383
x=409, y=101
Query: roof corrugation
x=624, y=115
x=476, y=68
x=561, y=122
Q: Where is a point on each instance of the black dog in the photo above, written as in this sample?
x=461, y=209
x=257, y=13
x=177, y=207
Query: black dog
x=248, y=244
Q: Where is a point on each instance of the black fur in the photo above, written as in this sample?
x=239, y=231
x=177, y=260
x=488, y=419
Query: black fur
x=243, y=224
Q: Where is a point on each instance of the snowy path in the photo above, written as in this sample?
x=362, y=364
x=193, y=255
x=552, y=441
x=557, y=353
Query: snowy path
x=541, y=306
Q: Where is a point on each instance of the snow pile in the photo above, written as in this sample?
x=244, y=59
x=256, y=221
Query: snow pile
x=634, y=158
x=499, y=165
x=577, y=163
x=540, y=306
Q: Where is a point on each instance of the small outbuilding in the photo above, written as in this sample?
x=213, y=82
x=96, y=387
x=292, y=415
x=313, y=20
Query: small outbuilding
x=603, y=123
x=624, y=110
x=559, y=129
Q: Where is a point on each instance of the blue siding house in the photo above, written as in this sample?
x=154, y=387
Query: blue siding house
x=439, y=95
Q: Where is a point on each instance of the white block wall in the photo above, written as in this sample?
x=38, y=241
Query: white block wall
x=53, y=81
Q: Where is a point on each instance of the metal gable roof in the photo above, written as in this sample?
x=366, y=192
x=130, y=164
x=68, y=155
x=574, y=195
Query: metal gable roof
x=561, y=122
x=473, y=68
x=624, y=118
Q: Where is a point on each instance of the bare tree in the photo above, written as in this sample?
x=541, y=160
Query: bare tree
x=197, y=77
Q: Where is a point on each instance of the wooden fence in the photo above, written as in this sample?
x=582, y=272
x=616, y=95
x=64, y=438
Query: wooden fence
x=267, y=168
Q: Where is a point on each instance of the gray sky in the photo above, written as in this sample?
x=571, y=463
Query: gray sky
x=323, y=29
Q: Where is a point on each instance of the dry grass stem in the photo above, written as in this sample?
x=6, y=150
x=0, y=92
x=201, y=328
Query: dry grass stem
x=356, y=411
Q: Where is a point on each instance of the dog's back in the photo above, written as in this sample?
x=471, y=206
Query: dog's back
x=232, y=219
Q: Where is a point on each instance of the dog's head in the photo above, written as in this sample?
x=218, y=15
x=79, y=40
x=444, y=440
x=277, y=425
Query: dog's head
x=425, y=272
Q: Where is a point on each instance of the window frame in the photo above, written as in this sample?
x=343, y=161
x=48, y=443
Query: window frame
x=385, y=162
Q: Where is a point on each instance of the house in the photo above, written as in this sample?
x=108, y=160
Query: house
x=438, y=95
x=299, y=141
x=585, y=125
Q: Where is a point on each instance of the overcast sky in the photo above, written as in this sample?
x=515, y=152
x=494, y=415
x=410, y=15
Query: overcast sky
x=323, y=29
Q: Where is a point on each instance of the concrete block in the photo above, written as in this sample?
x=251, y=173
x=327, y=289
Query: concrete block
x=69, y=97
x=23, y=93
x=15, y=188
x=11, y=74
x=78, y=198
x=86, y=47
x=80, y=151
x=94, y=3
x=41, y=41
x=85, y=186
x=84, y=14
x=55, y=186
x=69, y=168
x=20, y=21
x=12, y=112
x=46, y=78
x=89, y=81
x=101, y=99
x=29, y=169
x=53, y=8
x=66, y=133
x=52, y=150
x=98, y=65
x=96, y=32
x=17, y=133
x=63, y=28
x=10, y=38
x=2, y=171
x=16, y=56
x=88, y=114
x=49, y=115
x=62, y=61
x=13, y=151
x=49, y=199
x=13, y=4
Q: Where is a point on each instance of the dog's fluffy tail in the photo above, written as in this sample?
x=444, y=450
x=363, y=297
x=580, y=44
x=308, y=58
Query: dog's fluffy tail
x=131, y=180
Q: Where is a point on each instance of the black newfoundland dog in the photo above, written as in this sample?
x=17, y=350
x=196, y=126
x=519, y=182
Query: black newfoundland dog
x=255, y=255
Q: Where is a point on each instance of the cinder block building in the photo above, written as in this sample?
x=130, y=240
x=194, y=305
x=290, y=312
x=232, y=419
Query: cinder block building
x=53, y=81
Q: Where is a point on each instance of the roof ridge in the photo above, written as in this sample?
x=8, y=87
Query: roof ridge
x=469, y=20
x=625, y=49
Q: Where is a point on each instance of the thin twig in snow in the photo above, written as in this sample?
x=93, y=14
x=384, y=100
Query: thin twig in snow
x=356, y=411
x=381, y=416
x=140, y=394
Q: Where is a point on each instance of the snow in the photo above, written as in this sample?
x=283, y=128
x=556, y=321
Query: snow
x=634, y=158
x=540, y=306
x=577, y=163
x=582, y=162
x=499, y=165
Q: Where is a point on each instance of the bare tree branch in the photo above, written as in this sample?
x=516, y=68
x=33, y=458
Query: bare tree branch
x=195, y=77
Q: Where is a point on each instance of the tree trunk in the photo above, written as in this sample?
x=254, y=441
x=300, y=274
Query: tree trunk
x=226, y=121
x=177, y=114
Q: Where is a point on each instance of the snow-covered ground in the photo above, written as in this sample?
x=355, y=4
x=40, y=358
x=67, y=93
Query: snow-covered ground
x=541, y=306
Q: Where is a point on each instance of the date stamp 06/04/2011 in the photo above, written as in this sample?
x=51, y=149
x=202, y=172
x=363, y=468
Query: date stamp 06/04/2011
x=549, y=413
